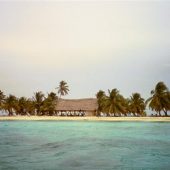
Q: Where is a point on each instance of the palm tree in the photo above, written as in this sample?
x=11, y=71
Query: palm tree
x=10, y=104
x=137, y=104
x=125, y=105
x=38, y=101
x=2, y=99
x=63, y=88
x=21, y=106
x=115, y=102
x=160, y=99
x=167, y=106
x=49, y=104
x=53, y=96
x=31, y=107
x=101, y=97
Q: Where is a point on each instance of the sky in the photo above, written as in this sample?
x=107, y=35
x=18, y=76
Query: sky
x=92, y=45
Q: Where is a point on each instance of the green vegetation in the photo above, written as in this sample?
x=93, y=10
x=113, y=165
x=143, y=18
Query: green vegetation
x=116, y=105
x=112, y=104
x=160, y=99
x=38, y=105
x=63, y=88
x=2, y=99
x=38, y=102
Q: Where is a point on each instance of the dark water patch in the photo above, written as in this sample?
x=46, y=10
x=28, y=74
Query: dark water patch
x=54, y=146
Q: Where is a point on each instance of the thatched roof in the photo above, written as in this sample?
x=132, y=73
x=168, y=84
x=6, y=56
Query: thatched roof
x=89, y=104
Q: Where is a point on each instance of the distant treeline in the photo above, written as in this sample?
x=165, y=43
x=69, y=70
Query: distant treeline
x=115, y=104
x=38, y=105
x=111, y=104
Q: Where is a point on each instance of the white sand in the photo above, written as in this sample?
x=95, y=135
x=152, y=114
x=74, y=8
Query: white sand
x=149, y=119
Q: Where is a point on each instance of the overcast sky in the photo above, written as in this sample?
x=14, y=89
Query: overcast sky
x=91, y=45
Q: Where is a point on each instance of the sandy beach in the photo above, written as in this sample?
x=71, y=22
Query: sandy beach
x=114, y=119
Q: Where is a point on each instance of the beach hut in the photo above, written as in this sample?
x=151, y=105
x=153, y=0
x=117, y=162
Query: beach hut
x=77, y=107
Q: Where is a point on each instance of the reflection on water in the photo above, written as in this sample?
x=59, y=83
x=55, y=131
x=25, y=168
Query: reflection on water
x=84, y=145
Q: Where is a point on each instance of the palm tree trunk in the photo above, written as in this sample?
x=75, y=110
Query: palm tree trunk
x=10, y=112
x=159, y=112
x=165, y=111
x=109, y=111
x=125, y=114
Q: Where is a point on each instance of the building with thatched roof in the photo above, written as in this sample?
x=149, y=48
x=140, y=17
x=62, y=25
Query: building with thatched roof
x=88, y=106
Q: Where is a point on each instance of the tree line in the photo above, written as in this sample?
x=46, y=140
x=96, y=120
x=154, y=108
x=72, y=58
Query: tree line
x=38, y=105
x=112, y=104
x=115, y=104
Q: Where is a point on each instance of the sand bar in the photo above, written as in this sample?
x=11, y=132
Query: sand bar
x=55, y=118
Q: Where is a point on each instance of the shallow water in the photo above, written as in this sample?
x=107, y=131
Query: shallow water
x=69, y=145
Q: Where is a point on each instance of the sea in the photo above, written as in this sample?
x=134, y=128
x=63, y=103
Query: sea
x=84, y=145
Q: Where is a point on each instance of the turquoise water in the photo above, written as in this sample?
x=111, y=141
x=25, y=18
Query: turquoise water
x=62, y=145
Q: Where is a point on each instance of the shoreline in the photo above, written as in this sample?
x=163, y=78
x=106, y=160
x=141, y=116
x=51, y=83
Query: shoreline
x=109, y=119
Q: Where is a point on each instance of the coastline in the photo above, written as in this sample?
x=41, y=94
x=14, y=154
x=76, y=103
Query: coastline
x=109, y=119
